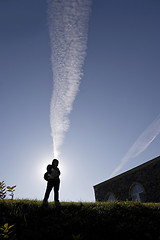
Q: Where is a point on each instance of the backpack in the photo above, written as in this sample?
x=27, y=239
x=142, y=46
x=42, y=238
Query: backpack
x=46, y=177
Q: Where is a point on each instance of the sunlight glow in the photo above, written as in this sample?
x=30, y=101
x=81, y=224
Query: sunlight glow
x=42, y=168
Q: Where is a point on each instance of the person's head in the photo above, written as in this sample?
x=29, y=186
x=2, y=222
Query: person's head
x=55, y=162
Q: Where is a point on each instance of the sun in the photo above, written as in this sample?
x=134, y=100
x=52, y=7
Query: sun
x=41, y=168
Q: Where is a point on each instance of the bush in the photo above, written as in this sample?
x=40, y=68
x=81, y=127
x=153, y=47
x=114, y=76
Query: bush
x=75, y=221
x=4, y=190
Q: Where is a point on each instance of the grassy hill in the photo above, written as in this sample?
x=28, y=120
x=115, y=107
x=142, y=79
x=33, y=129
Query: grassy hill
x=78, y=221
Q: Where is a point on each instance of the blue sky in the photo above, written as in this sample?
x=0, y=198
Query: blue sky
x=117, y=100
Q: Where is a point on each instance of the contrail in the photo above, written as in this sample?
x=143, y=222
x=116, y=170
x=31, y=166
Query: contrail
x=142, y=142
x=68, y=29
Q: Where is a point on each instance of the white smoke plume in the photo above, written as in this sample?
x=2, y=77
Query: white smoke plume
x=142, y=142
x=68, y=29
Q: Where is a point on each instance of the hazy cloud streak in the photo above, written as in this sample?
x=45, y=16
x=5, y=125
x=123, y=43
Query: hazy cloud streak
x=68, y=28
x=142, y=142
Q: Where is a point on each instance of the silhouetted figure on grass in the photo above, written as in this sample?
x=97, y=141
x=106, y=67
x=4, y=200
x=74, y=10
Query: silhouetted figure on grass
x=52, y=177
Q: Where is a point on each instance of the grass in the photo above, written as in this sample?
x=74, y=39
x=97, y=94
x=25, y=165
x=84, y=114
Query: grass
x=78, y=221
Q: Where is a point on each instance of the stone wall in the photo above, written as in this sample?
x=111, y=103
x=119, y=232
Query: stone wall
x=147, y=175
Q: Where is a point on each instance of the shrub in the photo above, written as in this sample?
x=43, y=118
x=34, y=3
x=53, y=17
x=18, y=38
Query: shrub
x=7, y=233
x=82, y=221
x=4, y=190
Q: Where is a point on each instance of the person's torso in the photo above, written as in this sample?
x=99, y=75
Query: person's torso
x=54, y=174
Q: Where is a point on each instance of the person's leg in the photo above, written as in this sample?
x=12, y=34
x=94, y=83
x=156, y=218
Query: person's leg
x=48, y=190
x=56, y=190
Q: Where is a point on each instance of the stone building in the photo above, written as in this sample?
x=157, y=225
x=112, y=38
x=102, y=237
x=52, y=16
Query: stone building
x=141, y=183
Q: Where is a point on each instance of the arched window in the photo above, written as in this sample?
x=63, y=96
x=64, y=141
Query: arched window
x=111, y=197
x=137, y=193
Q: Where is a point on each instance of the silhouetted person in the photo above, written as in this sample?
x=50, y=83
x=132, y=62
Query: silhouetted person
x=52, y=176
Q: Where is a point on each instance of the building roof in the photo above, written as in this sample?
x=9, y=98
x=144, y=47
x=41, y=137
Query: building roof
x=146, y=164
